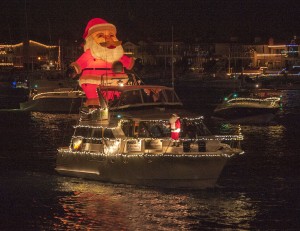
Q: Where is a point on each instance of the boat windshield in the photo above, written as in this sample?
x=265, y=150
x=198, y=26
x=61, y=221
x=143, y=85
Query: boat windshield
x=153, y=130
x=143, y=96
x=146, y=129
x=193, y=129
x=93, y=133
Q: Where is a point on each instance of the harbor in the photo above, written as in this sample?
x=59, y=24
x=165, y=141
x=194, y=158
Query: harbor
x=139, y=115
x=261, y=184
x=258, y=183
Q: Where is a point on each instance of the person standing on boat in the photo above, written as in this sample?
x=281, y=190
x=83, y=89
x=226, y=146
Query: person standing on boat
x=175, y=128
x=103, y=60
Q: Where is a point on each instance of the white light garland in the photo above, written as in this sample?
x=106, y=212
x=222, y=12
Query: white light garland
x=217, y=137
x=193, y=119
x=93, y=126
x=58, y=93
x=122, y=121
x=276, y=99
x=147, y=155
x=167, y=120
x=92, y=111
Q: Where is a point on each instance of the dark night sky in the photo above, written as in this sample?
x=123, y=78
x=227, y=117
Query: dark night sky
x=49, y=20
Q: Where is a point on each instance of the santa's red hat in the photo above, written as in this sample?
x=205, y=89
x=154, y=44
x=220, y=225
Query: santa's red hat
x=97, y=24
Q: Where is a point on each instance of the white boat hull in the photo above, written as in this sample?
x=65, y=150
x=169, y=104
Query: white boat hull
x=167, y=171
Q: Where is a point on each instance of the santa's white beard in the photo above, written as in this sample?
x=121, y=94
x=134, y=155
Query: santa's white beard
x=99, y=52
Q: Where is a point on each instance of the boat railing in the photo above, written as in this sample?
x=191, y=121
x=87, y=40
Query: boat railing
x=53, y=94
x=111, y=146
x=271, y=101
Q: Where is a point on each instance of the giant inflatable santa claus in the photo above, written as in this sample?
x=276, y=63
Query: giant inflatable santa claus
x=103, y=60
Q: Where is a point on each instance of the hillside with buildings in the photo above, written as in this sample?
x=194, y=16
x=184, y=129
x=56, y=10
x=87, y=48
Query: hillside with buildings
x=154, y=59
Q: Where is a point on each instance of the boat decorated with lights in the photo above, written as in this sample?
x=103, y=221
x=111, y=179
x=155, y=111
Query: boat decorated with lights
x=51, y=91
x=60, y=100
x=127, y=140
x=249, y=106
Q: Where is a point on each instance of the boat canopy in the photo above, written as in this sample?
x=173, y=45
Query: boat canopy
x=138, y=95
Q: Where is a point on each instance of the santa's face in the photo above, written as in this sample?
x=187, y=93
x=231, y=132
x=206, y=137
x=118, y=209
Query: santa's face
x=106, y=38
x=104, y=46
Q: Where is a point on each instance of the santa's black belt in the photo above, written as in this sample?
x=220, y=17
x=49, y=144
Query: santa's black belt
x=102, y=69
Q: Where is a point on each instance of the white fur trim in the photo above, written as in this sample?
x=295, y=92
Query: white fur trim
x=108, y=81
x=99, y=27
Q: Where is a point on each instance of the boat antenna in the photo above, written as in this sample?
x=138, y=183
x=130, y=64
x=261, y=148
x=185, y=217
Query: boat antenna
x=50, y=40
x=59, y=67
x=172, y=60
x=26, y=21
x=27, y=36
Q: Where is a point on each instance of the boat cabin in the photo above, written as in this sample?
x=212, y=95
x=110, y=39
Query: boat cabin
x=135, y=135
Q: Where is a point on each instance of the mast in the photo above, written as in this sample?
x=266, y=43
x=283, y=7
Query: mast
x=59, y=56
x=172, y=60
x=229, y=60
x=27, y=40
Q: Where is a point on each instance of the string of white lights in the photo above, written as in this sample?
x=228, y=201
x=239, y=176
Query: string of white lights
x=56, y=93
x=148, y=155
x=276, y=99
x=217, y=137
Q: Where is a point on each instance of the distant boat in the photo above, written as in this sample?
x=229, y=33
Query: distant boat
x=50, y=92
x=62, y=100
x=255, y=107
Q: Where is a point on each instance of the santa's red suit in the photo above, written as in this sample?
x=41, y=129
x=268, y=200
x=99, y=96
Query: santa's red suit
x=102, y=53
x=175, y=127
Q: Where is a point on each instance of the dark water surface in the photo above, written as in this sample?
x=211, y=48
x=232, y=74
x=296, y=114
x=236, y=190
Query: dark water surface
x=256, y=191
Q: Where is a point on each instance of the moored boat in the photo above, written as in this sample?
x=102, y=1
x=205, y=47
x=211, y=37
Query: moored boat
x=51, y=91
x=128, y=141
x=249, y=106
x=61, y=100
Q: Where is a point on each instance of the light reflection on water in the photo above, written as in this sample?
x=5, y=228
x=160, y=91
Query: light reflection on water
x=49, y=202
x=97, y=206
x=257, y=190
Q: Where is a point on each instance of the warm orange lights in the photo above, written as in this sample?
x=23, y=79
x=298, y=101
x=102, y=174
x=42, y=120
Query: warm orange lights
x=274, y=55
x=41, y=44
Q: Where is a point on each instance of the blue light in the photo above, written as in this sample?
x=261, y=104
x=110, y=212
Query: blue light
x=14, y=84
x=119, y=116
x=35, y=86
x=235, y=95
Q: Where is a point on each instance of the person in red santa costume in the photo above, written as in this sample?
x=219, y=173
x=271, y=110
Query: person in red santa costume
x=103, y=60
x=175, y=128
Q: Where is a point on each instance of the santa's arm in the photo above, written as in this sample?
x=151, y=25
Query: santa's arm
x=81, y=62
x=177, y=125
x=128, y=62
